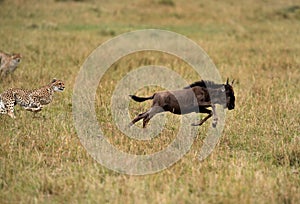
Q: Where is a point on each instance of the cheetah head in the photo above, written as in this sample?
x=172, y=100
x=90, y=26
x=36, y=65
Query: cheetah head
x=16, y=58
x=57, y=85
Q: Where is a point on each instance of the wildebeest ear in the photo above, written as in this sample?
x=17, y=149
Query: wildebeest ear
x=227, y=81
x=53, y=80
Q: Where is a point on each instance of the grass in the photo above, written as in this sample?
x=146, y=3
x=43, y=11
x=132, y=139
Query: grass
x=257, y=157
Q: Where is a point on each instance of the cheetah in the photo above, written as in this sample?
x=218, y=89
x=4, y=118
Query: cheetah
x=9, y=63
x=31, y=100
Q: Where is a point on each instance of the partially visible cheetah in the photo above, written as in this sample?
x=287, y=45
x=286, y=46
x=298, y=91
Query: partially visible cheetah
x=31, y=100
x=9, y=63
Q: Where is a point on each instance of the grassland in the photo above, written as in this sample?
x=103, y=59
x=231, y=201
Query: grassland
x=257, y=159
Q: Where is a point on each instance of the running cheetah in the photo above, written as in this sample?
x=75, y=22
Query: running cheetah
x=9, y=63
x=30, y=100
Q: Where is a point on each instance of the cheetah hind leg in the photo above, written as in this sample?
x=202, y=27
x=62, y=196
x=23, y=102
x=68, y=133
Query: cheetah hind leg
x=10, y=110
x=7, y=108
x=11, y=114
x=3, y=110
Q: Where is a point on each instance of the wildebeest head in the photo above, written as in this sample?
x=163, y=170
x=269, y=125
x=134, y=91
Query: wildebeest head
x=230, y=98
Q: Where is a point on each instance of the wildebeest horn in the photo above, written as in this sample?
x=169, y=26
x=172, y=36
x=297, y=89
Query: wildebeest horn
x=227, y=80
x=232, y=82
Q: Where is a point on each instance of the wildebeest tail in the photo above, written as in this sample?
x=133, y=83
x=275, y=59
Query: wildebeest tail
x=141, y=99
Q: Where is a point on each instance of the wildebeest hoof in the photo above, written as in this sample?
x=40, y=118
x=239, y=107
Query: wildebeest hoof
x=130, y=124
x=214, y=123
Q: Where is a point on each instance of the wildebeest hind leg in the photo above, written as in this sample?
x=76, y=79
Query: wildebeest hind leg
x=153, y=111
x=139, y=117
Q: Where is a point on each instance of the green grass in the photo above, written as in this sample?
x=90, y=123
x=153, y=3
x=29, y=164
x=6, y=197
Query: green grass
x=257, y=159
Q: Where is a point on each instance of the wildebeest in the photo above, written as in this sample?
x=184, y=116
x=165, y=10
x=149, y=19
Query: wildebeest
x=197, y=97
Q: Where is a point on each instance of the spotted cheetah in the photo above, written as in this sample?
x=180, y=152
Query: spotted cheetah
x=9, y=63
x=30, y=100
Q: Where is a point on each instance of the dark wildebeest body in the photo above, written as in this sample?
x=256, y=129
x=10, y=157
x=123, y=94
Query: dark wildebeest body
x=195, y=98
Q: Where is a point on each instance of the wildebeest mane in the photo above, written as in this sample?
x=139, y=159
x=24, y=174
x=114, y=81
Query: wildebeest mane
x=205, y=84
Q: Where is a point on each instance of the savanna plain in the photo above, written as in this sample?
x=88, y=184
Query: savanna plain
x=257, y=158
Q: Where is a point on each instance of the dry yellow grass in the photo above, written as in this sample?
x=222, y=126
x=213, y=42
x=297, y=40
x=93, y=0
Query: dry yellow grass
x=257, y=158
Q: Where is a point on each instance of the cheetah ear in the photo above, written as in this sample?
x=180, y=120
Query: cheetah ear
x=53, y=80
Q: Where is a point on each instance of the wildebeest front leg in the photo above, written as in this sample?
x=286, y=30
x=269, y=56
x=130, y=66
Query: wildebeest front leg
x=203, y=110
x=215, y=119
x=210, y=113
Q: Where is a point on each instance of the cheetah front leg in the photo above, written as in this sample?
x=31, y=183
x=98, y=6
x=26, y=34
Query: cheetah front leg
x=35, y=110
x=34, y=107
